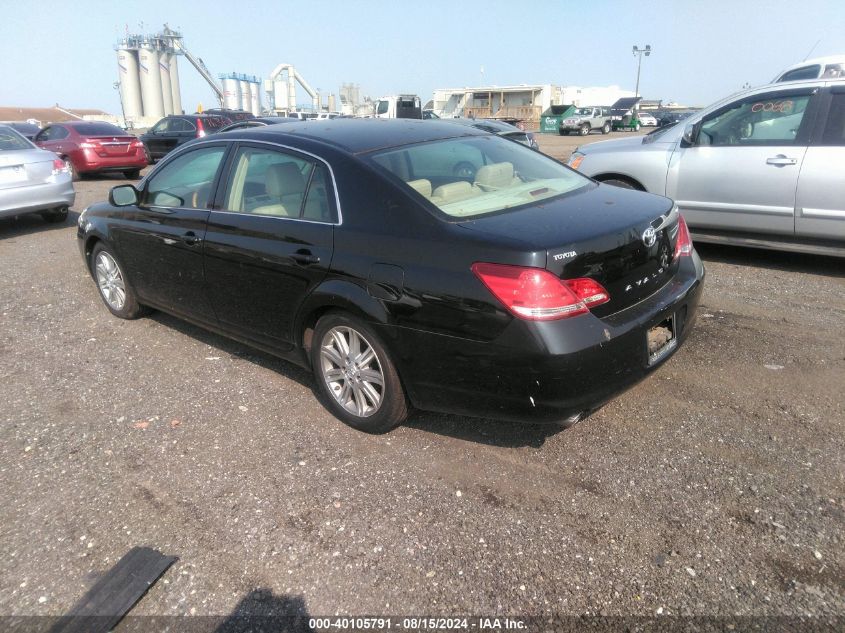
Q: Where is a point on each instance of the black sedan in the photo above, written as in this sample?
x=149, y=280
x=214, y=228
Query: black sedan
x=407, y=263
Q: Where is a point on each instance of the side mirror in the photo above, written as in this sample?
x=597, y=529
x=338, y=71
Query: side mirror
x=690, y=134
x=124, y=196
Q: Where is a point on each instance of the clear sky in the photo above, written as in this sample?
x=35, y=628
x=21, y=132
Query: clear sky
x=63, y=51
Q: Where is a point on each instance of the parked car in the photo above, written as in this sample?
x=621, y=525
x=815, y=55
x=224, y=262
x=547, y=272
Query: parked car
x=328, y=115
x=177, y=129
x=302, y=116
x=429, y=114
x=364, y=250
x=585, y=120
x=256, y=122
x=94, y=147
x=500, y=128
x=231, y=116
x=671, y=117
x=32, y=180
x=28, y=130
x=832, y=67
x=647, y=119
x=762, y=168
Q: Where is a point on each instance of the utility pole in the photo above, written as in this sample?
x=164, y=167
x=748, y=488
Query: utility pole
x=640, y=52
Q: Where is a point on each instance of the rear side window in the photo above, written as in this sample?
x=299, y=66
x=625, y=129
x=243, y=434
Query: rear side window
x=834, y=129
x=758, y=120
x=273, y=183
x=97, y=128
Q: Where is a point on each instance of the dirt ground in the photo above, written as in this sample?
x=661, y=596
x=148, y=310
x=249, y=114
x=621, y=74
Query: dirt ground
x=714, y=488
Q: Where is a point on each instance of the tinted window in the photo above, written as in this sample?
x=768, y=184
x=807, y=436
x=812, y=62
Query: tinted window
x=12, y=140
x=806, y=72
x=161, y=126
x=98, y=128
x=834, y=129
x=186, y=181
x=758, y=120
x=267, y=182
x=382, y=107
x=180, y=125
x=468, y=177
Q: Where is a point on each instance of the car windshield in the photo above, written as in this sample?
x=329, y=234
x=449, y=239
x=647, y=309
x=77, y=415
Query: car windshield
x=583, y=112
x=475, y=176
x=11, y=140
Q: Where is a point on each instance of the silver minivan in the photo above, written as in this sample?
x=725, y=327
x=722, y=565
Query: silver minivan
x=764, y=167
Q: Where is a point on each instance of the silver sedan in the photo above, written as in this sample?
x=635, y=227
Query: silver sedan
x=32, y=180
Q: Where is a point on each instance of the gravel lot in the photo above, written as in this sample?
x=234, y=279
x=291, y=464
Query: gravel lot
x=713, y=488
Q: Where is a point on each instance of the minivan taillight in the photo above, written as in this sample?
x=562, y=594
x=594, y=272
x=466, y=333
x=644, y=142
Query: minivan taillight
x=683, y=247
x=536, y=294
x=200, y=129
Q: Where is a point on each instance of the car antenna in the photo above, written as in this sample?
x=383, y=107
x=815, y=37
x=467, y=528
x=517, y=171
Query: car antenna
x=811, y=50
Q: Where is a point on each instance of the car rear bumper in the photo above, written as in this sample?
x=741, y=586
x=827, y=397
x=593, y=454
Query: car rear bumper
x=34, y=198
x=92, y=162
x=545, y=372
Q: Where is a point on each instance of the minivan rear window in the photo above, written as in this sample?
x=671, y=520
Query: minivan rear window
x=213, y=122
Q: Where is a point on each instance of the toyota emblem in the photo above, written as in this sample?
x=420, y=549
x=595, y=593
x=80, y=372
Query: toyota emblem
x=649, y=237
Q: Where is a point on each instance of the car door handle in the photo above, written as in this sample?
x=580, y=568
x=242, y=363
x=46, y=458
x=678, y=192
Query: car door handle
x=780, y=161
x=190, y=238
x=306, y=259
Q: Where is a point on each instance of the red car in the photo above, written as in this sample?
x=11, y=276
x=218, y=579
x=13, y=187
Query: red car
x=94, y=146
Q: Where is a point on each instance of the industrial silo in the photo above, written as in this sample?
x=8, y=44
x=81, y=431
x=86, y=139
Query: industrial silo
x=255, y=98
x=150, y=83
x=130, y=84
x=175, y=90
x=166, y=87
x=231, y=92
x=246, y=95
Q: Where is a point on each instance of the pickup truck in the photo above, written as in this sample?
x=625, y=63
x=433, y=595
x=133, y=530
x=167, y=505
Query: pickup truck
x=585, y=120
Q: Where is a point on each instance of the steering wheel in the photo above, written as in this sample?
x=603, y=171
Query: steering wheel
x=464, y=170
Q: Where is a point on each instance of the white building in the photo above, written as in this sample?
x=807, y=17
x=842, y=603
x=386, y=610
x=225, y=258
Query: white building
x=523, y=102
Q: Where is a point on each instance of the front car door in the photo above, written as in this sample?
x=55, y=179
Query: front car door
x=270, y=240
x=161, y=240
x=820, y=203
x=742, y=168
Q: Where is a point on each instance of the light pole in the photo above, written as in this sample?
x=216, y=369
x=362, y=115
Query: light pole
x=640, y=52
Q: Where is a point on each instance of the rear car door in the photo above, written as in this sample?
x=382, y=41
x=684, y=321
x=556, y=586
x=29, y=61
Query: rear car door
x=742, y=170
x=160, y=241
x=820, y=199
x=270, y=240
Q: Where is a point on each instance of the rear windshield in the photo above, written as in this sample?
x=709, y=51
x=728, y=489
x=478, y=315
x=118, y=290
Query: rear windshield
x=98, y=128
x=475, y=176
x=11, y=140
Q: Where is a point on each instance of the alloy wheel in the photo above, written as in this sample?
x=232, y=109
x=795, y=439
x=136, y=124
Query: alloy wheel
x=352, y=371
x=110, y=280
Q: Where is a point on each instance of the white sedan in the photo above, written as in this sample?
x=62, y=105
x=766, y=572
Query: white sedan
x=647, y=119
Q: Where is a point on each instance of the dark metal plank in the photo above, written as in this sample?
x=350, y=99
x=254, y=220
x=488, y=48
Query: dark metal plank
x=103, y=606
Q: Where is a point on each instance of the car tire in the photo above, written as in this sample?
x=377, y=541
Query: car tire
x=74, y=175
x=55, y=216
x=605, y=129
x=349, y=385
x=112, y=284
x=585, y=129
x=132, y=174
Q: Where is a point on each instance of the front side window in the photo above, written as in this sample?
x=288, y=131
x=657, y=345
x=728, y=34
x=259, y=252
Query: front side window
x=382, y=107
x=186, y=181
x=470, y=177
x=759, y=120
x=274, y=183
x=161, y=126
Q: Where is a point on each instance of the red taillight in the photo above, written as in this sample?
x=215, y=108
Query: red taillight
x=536, y=294
x=684, y=244
x=136, y=144
x=200, y=129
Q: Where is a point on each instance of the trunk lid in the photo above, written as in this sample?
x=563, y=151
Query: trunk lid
x=21, y=168
x=112, y=145
x=623, y=239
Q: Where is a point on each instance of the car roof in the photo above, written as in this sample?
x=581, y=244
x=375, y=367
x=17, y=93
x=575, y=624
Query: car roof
x=360, y=135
